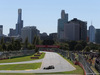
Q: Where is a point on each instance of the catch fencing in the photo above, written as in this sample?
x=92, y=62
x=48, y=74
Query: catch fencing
x=81, y=59
x=86, y=65
x=97, y=66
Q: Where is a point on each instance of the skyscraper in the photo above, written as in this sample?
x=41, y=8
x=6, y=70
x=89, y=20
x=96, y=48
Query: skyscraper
x=19, y=24
x=71, y=31
x=61, y=22
x=92, y=32
x=97, y=36
x=29, y=32
x=82, y=28
x=1, y=29
x=12, y=32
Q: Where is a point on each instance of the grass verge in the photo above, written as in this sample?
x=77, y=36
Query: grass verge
x=19, y=74
x=20, y=66
x=19, y=59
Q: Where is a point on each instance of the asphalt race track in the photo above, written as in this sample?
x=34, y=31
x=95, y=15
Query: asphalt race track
x=51, y=58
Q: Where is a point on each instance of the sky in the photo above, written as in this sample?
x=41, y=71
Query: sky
x=44, y=14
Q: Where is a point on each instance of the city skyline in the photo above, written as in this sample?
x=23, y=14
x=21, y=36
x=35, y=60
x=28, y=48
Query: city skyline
x=44, y=14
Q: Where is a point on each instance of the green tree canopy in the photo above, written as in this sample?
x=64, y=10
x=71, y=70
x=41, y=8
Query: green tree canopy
x=17, y=45
x=9, y=47
x=72, y=45
x=93, y=46
x=37, y=40
x=34, y=40
x=4, y=47
x=83, y=43
x=78, y=47
x=64, y=46
x=30, y=46
x=48, y=42
x=2, y=40
x=26, y=43
x=87, y=48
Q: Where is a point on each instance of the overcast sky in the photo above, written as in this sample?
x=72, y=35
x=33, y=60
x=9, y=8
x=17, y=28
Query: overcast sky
x=44, y=13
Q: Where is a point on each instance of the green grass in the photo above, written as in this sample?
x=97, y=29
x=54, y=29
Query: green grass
x=20, y=66
x=19, y=59
x=95, y=71
x=19, y=74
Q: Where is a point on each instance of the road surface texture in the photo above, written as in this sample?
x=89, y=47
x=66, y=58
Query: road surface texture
x=51, y=58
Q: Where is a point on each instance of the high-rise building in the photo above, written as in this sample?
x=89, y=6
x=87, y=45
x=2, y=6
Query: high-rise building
x=87, y=35
x=61, y=22
x=97, y=36
x=29, y=32
x=92, y=32
x=1, y=29
x=64, y=28
x=43, y=36
x=53, y=36
x=12, y=32
x=19, y=24
x=82, y=28
x=71, y=31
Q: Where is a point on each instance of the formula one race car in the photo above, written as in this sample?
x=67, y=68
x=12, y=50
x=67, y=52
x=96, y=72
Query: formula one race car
x=49, y=67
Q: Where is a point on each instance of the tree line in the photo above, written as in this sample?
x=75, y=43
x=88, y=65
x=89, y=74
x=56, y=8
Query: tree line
x=65, y=45
x=78, y=46
x=16, y=44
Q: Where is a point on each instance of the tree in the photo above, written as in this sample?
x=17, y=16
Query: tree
x=12, y=41
x=10, y=47
x=83, y=43
x=2, y=40
x=72, y=45
x=48, y=42
x=87, y=48
x=64, y=46
x=30, y=46
x=17, y=45
x=3, y=46
x=26, y=43
x=93, y=46
x=36, y=50
x=78, y=47
x=37, y=40
x=34, y=40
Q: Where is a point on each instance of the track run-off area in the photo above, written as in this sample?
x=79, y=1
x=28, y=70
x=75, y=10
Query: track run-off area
x=51, y=58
